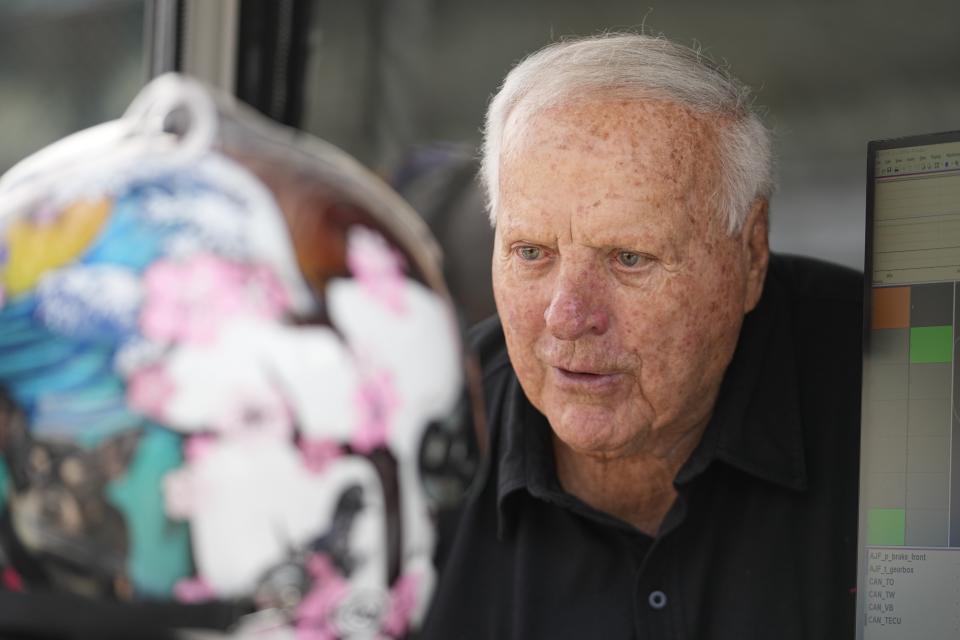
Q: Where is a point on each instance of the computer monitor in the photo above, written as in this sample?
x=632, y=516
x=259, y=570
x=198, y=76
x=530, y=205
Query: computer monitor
x=909, y=547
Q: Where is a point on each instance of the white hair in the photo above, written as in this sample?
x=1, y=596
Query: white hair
x=639, y=67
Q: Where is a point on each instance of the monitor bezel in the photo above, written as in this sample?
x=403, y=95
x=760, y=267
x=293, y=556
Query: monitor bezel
x=873, y=147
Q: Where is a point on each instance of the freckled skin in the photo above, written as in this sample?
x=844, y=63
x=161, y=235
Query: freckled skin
x=620, y=291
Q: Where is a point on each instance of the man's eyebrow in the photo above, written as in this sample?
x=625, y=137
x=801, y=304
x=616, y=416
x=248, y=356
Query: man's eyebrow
x=523, y=229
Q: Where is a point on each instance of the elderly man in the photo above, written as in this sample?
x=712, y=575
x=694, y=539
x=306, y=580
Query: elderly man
x=673, y=413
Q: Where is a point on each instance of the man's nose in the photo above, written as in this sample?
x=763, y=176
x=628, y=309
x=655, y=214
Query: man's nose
x=578, y=306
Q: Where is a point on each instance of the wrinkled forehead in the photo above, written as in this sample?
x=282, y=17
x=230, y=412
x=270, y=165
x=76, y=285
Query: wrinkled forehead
x=662, y=140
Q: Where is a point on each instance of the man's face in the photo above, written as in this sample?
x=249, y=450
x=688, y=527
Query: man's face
x=620, y=291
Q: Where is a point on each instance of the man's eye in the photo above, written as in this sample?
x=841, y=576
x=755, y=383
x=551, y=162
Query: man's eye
x=529, y=253
x=629, y=258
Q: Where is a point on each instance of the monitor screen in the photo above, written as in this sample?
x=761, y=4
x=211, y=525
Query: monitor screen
x=909, y=565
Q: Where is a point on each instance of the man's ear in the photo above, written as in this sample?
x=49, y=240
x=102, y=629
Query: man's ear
x=756, y=245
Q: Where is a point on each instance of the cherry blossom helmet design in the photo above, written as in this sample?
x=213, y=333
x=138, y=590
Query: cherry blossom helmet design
x=231, y=379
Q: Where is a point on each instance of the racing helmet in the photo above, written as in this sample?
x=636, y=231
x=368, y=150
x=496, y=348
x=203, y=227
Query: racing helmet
x=233, y=393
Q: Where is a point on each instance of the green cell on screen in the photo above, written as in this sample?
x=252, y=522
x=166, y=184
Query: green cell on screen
x=931, y=344
x=885, y=527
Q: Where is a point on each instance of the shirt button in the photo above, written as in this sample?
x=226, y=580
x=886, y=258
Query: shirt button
x=657, y=599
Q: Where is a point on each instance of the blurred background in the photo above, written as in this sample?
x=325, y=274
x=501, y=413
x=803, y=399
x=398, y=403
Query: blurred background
x=403, y=84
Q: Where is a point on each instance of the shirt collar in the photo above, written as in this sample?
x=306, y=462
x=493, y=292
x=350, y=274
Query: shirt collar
x=755, y=427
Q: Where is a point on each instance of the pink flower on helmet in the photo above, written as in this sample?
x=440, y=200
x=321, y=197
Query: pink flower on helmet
x=197, y=447
x=193, y=590
x=149, y=390
x=324, y=632
x=315, y=612
x=191, y=300
x=378, y=267
x=318, y=453
x=376, y=402
x=403, y=601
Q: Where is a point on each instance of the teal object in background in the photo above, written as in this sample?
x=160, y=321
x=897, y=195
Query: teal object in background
x=159, y=547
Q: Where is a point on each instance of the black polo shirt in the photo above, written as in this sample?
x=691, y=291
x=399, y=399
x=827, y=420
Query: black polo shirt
x=761, y=541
